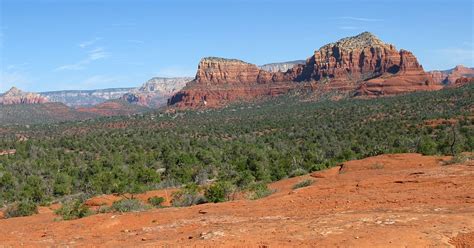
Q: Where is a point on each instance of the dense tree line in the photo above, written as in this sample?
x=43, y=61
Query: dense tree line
x=241, y=145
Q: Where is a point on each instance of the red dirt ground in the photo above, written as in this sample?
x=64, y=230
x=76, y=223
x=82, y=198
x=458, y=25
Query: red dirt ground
x=400, y=200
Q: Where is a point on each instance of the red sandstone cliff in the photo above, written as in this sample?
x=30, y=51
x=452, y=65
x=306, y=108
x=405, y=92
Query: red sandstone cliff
x=362, y=65
x=461, y=82
x=219, y=81
x=450, y=76
x=16, y=96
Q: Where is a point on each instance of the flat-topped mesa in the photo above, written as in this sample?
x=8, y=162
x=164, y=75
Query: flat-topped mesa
x=16, y=96
x=213, y=70
x=361, y=65
x=219, y=71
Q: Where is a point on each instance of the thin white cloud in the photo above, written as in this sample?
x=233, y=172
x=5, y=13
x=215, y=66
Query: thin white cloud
x=98, y=53
x=350, y=27
x=359, y=19
x=88, y=43
x=92, y=55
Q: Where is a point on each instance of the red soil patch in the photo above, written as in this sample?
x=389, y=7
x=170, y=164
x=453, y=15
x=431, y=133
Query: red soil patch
x=463, y=240
x=7, y=152
x=384, y=201
x=439, y=122
x=107, y=200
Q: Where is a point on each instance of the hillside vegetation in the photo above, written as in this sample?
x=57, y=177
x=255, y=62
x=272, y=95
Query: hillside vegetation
x=39, y=113
x=241, y=145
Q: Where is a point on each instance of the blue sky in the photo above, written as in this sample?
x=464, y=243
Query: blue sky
x=89, y=44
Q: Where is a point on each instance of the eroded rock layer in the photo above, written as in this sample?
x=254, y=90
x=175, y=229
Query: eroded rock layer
x=362, y=65
x=16, y=96
x=450, y=76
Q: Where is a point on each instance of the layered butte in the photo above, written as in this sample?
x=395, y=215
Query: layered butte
x=16, y=96
x=219, y=81
x=362, y=65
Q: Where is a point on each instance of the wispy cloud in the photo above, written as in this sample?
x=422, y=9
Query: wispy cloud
x=92, y=55
x=88, y=43
x=358, y=19
x=350, y=27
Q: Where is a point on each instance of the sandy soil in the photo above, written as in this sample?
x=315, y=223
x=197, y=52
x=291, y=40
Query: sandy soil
x=402, y=200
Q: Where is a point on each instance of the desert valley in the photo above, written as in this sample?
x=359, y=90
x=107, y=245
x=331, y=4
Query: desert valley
x=356, y=145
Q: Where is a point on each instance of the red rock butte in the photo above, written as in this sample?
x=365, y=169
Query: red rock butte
x=361, y=65
x=16, y=96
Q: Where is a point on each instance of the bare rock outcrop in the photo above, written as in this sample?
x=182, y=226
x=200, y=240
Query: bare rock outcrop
x=461, y=82
x=448, y=77
x=156, y=91
x=361, y=65
x=16, y=96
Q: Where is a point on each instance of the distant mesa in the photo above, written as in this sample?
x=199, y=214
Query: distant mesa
x=82, y=98
x=156, y=91
x=448, y=77
x=357, y=66
x=282, y=66
x=362, y=65
x=153, y=93
x=16, y=96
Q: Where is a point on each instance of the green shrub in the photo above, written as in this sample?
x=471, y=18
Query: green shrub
x=73, y=209
x=156, y=201
x=298, y=172
x=427, y=146
x=23, y=208
x=219, y=191
x=104, y=209
x=128, y=205
x=304, y=183
x=259, y=190
x=457, y=159
x=188, y=196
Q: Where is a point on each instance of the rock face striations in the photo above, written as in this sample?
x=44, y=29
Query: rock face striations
x=16, y=96
x=366, y=65
x=449, y=77
x=219, y=81
x=156, y=91
x=361, y=65
x=352, y=59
